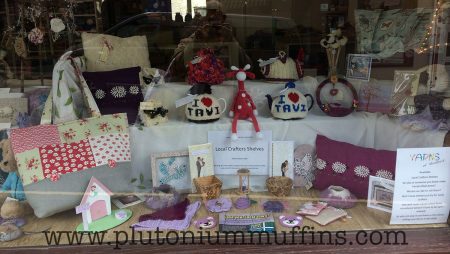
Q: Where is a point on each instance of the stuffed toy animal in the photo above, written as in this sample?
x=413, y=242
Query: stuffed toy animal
x=243, y=106
x=15, y=206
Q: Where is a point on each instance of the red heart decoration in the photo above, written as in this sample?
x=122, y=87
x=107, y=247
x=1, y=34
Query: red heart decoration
x=207, y=101
x=293, y=97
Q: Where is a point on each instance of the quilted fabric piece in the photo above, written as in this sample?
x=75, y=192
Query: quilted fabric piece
x=30, y=166
x=29, y=138
x=66, y=158
x=50, y=151
x=349, y=166
x=97, y=126
x=111, y=148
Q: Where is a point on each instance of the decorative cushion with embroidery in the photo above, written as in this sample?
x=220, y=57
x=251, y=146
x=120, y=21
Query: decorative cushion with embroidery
x=56, y=162
x=116, y=91
x=304, y=166
x=349, y=166
x=106, y=52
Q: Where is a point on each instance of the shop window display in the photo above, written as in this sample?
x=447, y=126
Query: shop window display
x=224, y=115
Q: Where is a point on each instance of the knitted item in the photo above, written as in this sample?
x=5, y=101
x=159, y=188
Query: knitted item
x=243, y=203
x=273, y=207
x=219, y=205
x=176, y=212
x=14, y=184
x=181, y=224
x=206, y=68
x=243, y=107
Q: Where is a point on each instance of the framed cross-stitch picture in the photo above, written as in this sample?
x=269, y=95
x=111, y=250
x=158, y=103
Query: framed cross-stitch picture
x=171, y=168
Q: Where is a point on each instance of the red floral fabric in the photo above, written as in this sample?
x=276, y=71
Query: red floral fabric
x=66, y=158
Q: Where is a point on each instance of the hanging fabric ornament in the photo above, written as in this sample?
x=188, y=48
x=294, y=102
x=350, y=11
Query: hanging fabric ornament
x=20, y=47
x=36, y=36
x=57, y=26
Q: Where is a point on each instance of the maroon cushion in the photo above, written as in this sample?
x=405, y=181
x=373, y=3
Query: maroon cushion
x=349, y=166
x=117, y=91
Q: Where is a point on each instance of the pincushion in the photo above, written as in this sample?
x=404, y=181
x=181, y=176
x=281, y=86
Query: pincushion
x=338, y=197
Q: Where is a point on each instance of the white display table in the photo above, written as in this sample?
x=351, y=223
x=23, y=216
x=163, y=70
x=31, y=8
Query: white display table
x=372, y=130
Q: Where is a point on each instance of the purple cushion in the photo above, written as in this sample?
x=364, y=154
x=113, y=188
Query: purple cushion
x=117, y=91
x=349, y=166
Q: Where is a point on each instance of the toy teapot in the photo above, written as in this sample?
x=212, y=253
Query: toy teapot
x=282, y=68
x=291, y=104
x=205, y=107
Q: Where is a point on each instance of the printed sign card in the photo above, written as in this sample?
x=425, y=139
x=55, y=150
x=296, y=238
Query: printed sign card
x=422, y=191
x=247, y=152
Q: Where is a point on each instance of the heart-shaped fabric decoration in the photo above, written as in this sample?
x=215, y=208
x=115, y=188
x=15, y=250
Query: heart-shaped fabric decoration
x=294, y=97
x=207, y=101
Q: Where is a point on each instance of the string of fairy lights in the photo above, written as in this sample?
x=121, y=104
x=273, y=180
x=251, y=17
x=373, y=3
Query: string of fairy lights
x=427, y=44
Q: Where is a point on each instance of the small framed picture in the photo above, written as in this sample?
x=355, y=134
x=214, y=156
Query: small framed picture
x=172, y=168
x=127, y=201
x=381, y=194
x=359, y=66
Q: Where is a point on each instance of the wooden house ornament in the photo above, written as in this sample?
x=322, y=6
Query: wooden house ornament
x=96, y=203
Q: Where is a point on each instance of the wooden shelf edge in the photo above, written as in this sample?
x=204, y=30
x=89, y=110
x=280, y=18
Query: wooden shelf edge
x=425, y=240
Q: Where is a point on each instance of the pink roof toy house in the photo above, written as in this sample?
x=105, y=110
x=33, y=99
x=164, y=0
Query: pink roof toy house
x=96, y=203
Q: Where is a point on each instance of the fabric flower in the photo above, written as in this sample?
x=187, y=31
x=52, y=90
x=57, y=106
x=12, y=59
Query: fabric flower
x=118, y=92
x=100, y=94
x=36, y=36
x=112, y=163
x=57, y=25
x=385, y=174
x=134, y=90
x=362, y=171
x=339, y=167
x=54, y=177
x=321, y=164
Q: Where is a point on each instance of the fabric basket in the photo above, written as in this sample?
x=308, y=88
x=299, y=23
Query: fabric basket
x=209, y=187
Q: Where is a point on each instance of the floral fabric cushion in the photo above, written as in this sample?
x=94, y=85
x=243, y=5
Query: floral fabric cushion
x=116, y=91
x=56, y=162
x=350, y=166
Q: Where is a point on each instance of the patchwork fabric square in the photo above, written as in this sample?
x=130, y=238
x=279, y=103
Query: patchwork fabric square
x=30, y=166
x=33, y=137
x=110, y=148
x=62, y=159
x=83, y=129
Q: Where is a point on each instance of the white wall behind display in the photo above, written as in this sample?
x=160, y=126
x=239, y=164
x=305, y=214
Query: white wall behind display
x=367, y=130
